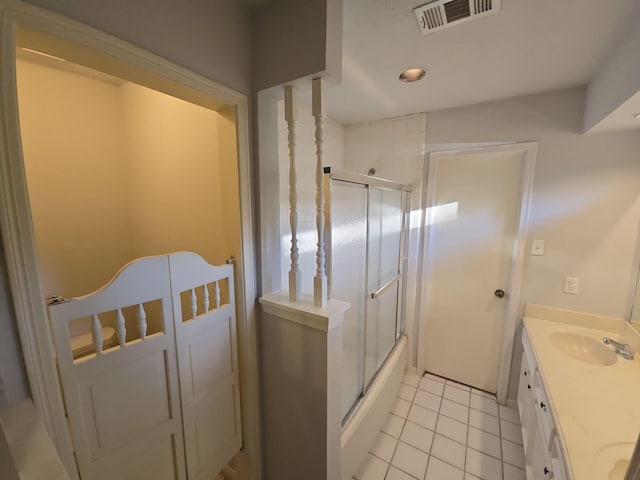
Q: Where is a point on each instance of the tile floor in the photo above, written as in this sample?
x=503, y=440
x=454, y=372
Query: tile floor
x=442, y=430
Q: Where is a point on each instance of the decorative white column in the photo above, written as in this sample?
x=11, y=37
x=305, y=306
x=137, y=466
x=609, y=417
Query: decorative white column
x=319, y=112
x=291, y=115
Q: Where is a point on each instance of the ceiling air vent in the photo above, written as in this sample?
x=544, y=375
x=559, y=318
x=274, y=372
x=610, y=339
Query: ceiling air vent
x=440, y=14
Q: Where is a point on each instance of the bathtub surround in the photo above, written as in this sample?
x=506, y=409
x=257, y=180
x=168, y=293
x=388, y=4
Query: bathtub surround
x=395, y=148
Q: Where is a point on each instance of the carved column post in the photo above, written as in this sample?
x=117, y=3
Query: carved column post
x=290, y=115
x=319, y=112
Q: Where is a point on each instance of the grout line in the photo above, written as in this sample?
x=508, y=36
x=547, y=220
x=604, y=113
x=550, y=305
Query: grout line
x=466, y=445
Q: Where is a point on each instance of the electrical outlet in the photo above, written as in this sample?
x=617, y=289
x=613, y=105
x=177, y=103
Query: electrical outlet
x=571, y=285
x=537, y=247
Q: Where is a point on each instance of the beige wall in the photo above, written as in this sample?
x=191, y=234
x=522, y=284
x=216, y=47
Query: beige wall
x=585, y=204
x=120, y=172
x=174, y=189
x=75, y=160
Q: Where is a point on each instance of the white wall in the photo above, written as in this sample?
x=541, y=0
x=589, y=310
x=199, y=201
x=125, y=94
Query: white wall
x=294, y=39
x=616, y=81
x=13, y=381
x=585, y=203
x=333, y=156
x=211, y=38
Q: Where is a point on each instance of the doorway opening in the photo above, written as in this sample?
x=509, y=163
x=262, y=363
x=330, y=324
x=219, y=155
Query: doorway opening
x=115, y=154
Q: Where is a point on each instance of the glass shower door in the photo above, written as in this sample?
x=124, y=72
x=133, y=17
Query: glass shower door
x=365, y=262
x=384, y=275
x=348, y=259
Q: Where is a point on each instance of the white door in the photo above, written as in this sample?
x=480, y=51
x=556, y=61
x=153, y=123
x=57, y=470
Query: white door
x=473, y=223
x=205, y=323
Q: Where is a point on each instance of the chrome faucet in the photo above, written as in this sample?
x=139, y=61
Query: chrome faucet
x=622, y=349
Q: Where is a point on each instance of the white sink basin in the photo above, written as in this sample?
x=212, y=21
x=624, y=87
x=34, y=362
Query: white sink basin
x=584, y=349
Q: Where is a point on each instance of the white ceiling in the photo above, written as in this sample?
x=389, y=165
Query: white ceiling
x=529, y=46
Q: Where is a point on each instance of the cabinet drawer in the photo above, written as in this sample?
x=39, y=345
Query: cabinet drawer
x=543, y=409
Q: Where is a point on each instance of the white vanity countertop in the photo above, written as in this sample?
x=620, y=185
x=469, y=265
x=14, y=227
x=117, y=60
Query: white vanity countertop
x=596, y=408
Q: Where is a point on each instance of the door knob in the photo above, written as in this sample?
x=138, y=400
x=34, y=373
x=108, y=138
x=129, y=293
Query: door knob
x=499, y=293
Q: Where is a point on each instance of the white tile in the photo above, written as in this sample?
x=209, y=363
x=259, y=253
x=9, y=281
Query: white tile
x=423, y=417
x=406, y=392
x=511, y=431
x=400, y=408
x=452, y=429
x=395, y=474
x=417, y=436
x=513, y=473
x=411, y=379
x=393, y=425
x=485, y=442
x=427, y=400
x=483, y=466
x=439, y=470
x=372, y=469
x=456, y=394
x=458, y=385
x=410, y=460
x=454, y=410
x=430, y=375
x=431, y=385
x=448, y=450
x=484, y=404
x=384, y=446
x=510, y=414
x=482, y=393
x=512, y=453
x=484, y=421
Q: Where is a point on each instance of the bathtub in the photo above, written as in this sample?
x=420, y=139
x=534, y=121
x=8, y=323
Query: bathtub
x=370, y=415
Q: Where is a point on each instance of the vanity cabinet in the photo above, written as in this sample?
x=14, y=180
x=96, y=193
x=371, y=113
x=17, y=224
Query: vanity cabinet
x=543, y=453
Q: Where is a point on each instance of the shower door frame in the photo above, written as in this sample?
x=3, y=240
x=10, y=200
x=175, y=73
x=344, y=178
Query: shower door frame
x=345, y=176
x=16, y=226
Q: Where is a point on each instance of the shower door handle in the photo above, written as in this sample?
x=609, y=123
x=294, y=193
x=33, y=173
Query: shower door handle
x=377, y=293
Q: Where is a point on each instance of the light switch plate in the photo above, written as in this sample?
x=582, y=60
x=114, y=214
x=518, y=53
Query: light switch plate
x=571, y=285
x=537, y=247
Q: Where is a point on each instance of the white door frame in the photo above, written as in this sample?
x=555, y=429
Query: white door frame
x=528, y=153
x=17, y=228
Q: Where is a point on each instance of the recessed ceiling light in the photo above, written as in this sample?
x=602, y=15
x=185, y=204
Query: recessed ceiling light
x=413, y=74
x=636, y=116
